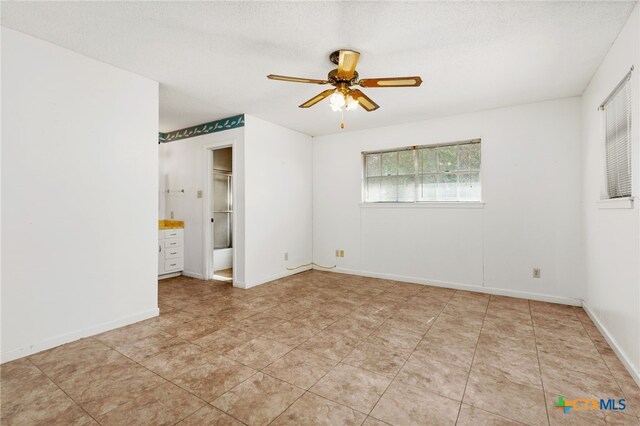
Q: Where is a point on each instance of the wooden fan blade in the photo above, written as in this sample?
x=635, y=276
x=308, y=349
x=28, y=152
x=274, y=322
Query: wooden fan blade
x=347, y=64
x=391, y=82
x=364, y=101
x=296, y=79
x=317, y=98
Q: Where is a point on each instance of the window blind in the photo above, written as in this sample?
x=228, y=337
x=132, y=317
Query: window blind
x=617, y=111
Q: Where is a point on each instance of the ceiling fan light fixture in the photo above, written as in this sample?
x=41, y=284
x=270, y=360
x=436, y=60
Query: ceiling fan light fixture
x=337, y=101
x=351, y=103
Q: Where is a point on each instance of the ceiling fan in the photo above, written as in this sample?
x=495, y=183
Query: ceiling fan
x=342, y=78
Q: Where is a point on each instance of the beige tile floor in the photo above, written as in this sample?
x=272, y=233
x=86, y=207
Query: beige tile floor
x=322, y=348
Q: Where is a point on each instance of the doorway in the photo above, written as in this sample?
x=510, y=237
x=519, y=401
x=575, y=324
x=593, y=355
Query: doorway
x=222, y=213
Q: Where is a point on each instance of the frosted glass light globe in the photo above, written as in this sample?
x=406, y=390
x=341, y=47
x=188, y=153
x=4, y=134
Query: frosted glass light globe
x=351, y=103
x=337, y=100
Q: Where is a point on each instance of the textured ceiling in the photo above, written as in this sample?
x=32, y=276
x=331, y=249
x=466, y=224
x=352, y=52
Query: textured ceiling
x=211, y=58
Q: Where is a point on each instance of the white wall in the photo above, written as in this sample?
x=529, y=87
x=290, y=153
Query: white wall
x=612, y=236
x=184, y=165
x=278, y=192
x=532, y=217
x=79, y=196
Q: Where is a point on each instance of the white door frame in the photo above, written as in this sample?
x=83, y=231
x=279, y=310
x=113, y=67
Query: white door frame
x=207, y=213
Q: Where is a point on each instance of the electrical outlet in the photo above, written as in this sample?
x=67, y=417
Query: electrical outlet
x=199, y=193
x=536, y=272
x=337, y=253
x=172, y=214
x=286, y=256
x=341, y=253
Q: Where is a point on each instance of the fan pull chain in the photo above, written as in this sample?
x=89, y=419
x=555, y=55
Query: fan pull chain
x=341, y=119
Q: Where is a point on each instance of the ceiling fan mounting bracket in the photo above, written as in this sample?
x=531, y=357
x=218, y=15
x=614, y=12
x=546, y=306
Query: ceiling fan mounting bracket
x=334, y=57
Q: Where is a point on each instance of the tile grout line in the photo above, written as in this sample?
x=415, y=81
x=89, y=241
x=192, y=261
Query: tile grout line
x=603, y=360
x=208, y=404
x=152, y=387
x=264, y=373
x=535, y=342
x=305, y=391
x=139, y=364
x=573, y=314
x=464, y=392
x=579, y=371
x=507, y=379
x=65, y=392
x=414, y=349
x=224, y=355
x=338, y=363
x=224, y=411
x=294, y=347
x=196, y=317
x=362, y=341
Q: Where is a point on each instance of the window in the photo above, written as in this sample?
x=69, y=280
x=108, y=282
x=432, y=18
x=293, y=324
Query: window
x=448, y=172
x=617, y=118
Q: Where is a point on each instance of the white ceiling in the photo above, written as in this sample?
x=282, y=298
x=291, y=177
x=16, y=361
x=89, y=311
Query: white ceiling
x=211, y=58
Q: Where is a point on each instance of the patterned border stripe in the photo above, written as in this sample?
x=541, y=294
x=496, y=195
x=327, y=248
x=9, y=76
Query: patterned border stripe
x=202, y=129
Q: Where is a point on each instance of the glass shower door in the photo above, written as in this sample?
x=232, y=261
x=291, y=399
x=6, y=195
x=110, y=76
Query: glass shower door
x=222, y=210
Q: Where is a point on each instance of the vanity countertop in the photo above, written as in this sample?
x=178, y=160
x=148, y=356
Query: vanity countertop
x=170, y=224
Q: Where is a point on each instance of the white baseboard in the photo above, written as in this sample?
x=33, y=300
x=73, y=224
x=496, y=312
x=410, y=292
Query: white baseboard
x=274, y=277
x=193, y=275
x=76, y=335
x=461, y=286
x=171, y=275
x=613, y=343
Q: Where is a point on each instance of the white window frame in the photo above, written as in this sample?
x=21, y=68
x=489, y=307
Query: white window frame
x=418, y=175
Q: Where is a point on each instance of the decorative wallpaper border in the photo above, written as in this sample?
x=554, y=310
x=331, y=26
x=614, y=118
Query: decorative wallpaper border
x=202, y=129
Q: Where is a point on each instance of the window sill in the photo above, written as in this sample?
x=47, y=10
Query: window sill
x=616, y=203
x=426, y=205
